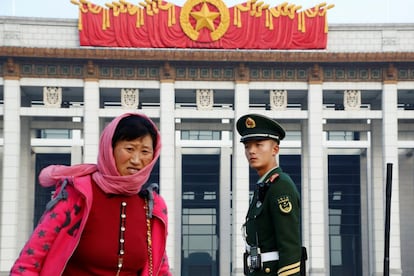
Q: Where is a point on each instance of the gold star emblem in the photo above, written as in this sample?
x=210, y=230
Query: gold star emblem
x=205, y=18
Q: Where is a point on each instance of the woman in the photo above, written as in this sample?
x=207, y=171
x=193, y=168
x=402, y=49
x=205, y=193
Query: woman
x=103, y=219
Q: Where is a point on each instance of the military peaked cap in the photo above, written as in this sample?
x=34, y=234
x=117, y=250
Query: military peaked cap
x=259, y=127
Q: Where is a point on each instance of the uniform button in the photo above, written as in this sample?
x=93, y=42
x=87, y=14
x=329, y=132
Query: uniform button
x=267, y=270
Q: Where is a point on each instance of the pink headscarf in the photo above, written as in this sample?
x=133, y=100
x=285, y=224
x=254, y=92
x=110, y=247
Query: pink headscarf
x=105, y=172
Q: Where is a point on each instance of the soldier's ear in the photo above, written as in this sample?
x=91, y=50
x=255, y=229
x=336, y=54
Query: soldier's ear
x=275, y=148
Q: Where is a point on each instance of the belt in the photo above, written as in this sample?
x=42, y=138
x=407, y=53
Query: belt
x=268, y=256
x=257, y=263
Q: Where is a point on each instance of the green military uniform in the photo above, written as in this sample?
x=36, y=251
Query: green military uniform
x=273, y=219
x=275, y=223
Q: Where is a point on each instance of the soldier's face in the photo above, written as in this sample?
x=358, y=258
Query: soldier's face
x=261, y=154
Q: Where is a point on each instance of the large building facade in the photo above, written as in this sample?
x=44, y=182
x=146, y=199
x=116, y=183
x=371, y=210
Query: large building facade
x=348, y=111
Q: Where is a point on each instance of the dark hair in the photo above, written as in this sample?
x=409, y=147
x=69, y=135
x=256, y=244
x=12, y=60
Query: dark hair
x=132, y=127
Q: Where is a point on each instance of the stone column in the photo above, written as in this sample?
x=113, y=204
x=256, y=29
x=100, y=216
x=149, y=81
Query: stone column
x=225, y=210
x=76, y=149
x=91, y=127
x=377, y=206
x=240, y=172
x=27, y=162
x=167, y=169
x=305, y=221
x=168, y=189
x=12, y=235
x=317, y=175
x=390, y=153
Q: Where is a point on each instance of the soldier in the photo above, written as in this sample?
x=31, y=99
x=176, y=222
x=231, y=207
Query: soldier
x=272, y=227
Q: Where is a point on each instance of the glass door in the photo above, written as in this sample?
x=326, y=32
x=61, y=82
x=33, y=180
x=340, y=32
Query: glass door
x=344, y=215
x=200, y=214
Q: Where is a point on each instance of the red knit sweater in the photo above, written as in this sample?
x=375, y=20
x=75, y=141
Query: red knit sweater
x=98, y=248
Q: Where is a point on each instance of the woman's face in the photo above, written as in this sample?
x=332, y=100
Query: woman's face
x=132, y=156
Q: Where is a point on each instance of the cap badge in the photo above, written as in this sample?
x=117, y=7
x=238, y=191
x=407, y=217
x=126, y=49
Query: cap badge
x=250, y=123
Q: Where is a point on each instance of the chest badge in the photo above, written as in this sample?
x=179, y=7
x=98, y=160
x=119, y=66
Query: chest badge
x=285, y=206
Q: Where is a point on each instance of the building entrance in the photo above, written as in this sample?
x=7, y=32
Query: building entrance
x=344, y=215
x=200, y=214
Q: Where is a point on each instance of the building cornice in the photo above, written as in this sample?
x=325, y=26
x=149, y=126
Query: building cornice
x=251, y=56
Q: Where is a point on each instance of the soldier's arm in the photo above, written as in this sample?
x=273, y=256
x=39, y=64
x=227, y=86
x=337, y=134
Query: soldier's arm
x=286, y=222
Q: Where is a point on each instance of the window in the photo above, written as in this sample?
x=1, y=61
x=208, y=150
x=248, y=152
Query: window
x=343, y=136
x=54, y=133
x=200, y=135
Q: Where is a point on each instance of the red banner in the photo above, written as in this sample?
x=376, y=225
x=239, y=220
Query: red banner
x=208, y=24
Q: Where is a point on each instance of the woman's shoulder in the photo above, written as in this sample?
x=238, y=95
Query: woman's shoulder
x=69, y=190
x=158, y=199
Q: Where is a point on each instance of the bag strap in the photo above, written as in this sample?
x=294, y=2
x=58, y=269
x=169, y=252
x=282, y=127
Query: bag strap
x=63, y=194
x=147, y=193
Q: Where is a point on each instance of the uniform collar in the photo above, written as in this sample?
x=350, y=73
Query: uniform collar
x=268, y=174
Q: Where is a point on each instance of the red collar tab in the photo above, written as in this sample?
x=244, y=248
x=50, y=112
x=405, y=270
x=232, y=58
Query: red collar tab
x=272, y=177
